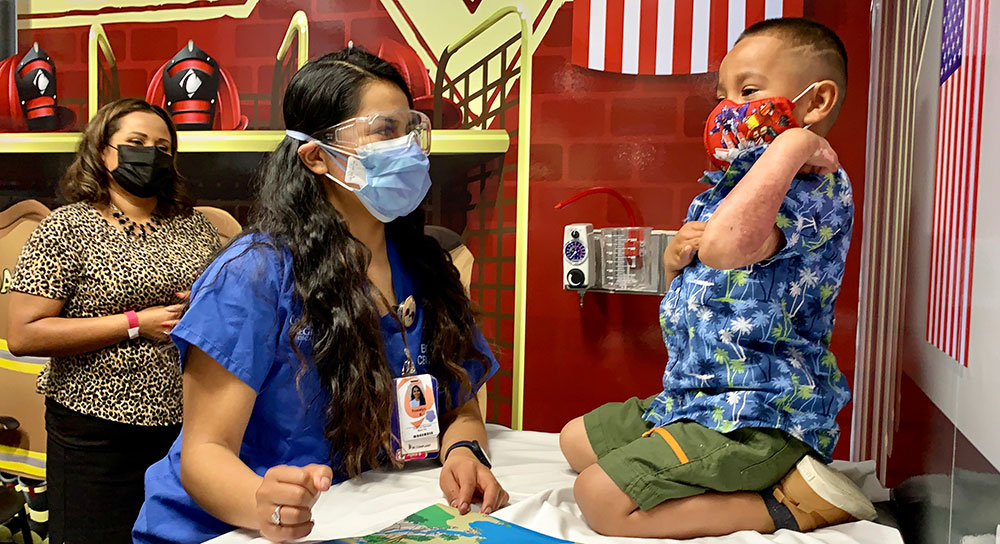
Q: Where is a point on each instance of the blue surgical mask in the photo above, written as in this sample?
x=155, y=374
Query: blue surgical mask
x=390, y=178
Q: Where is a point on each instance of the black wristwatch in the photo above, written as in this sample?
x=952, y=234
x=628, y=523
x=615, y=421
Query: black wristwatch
x=473, y=445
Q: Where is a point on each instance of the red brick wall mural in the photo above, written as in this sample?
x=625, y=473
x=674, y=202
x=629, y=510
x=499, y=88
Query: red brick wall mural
x=245, y=47
x=640, y=135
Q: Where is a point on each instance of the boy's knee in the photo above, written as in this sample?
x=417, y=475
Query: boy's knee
x=587, y=493
x=575, y=445
x=592, y=490
x=570, y=434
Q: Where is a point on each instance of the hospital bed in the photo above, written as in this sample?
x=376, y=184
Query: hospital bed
x=532, y=469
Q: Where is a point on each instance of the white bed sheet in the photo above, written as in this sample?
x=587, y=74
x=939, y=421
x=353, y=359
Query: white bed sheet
x=532, y=469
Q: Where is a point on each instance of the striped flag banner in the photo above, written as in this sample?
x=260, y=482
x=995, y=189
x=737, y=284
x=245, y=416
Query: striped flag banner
x=956, y=179
x=665, y=37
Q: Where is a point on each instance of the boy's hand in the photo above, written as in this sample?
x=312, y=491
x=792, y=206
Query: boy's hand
x=822, y=159
x=681, y=249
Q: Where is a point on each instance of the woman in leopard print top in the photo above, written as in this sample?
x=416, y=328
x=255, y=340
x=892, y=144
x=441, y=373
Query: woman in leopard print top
x=97, y=288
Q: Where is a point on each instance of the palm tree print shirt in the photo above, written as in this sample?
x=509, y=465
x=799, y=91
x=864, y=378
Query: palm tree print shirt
x=750, y=347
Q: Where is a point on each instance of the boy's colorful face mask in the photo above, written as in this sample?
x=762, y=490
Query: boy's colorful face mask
x=733, y=127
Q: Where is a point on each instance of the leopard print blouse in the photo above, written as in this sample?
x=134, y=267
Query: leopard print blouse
x=76, y=255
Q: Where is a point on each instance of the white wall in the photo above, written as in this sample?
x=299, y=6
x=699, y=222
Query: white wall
x=970, y=397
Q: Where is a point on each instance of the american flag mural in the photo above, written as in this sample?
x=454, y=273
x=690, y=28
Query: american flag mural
x=960, y=107
x=665, y=36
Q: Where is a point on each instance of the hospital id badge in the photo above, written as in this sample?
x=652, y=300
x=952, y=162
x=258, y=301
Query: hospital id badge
x=415, y=426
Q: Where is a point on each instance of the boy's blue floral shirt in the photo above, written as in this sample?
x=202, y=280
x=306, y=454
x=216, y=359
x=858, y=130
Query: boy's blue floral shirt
x=750, y=347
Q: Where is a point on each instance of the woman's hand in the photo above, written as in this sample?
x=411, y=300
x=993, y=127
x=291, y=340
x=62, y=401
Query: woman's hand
x=292, y=491
x=156, y=325
x=464, y=477
x=156, y=322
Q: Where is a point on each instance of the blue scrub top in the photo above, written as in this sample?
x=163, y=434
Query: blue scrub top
x=242, y=309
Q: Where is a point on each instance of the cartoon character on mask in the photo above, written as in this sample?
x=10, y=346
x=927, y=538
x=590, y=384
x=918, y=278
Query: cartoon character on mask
x=737, y=127
x=732, y=128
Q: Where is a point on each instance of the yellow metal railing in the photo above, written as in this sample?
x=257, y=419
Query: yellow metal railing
x=491, y=89
x=299, y=26
x=98, y=39
x=298, y=31
x=523, y=158
x=521, y=236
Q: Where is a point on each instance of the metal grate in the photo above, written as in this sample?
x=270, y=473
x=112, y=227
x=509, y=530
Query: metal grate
x=490, y=226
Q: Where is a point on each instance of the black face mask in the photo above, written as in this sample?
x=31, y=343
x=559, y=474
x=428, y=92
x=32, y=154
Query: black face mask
x=143, y=170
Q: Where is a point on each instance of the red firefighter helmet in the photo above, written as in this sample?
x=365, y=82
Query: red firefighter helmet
x=415, y=73
x=30, y=85
x=198, y=93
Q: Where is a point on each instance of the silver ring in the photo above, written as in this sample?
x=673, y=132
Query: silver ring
x=276, y=516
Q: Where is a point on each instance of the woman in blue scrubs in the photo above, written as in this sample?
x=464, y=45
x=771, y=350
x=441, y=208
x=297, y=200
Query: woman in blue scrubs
x=296, y=333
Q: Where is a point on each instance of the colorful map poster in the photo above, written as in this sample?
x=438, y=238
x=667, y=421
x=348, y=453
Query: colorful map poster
x=441, y=524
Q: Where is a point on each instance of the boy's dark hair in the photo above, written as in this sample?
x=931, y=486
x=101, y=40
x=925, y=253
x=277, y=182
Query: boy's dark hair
x=819, y=37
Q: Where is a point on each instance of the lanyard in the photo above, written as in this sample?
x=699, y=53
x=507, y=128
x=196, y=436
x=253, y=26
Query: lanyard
x=409, y=369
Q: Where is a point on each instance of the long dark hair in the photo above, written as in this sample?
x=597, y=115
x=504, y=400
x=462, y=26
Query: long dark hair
x=88, y=179
x=331, y=270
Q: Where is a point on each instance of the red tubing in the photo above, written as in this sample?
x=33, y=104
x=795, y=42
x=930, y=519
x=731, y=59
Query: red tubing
x=606, y=190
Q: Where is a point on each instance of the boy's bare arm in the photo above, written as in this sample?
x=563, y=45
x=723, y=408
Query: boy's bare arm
x=742, y=231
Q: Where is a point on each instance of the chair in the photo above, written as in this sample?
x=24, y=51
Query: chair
x=24, y=443
x=224, y=223
x=25, y=210
x=12, y=503
x=22, y=425
x=463, y=259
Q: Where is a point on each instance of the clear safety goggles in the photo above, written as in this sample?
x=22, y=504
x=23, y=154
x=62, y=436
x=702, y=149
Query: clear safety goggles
x=348, y=135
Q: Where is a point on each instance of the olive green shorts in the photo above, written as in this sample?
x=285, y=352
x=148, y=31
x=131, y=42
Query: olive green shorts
x=684, y=458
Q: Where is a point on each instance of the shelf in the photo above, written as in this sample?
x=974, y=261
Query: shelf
x=444, y=142
x=43, y=142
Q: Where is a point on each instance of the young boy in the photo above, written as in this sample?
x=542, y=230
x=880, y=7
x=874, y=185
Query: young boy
x=751, y=390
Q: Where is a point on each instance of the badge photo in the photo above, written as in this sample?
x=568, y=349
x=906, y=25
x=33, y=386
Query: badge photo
x=415, y=419
x=415, y=396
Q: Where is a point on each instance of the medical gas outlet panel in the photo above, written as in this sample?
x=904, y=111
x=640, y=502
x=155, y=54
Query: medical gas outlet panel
x=626, y=260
